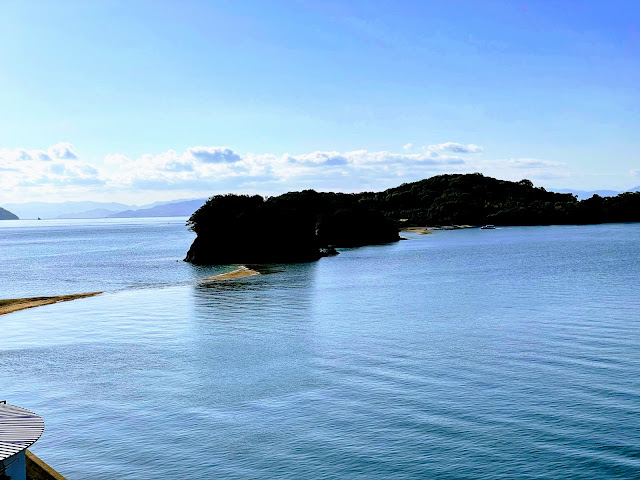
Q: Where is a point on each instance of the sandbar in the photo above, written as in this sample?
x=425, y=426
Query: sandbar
x=239, y=273
x=15, y=304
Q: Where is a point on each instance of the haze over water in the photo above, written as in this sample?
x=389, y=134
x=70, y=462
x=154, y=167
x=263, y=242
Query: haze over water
x=508, y=353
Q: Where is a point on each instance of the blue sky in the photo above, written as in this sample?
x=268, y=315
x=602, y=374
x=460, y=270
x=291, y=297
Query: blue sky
x=144, y=100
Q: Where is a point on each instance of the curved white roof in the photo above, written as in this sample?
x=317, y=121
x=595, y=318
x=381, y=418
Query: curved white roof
x=19, y=429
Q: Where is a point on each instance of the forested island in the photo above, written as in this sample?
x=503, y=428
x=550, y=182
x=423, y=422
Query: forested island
x=7, y=215
x=303, y=226
x=294, y=227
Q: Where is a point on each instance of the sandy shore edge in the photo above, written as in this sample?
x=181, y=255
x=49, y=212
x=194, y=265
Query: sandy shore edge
x=239, y=273
x=427, y=230
x=420, y=230
x=15, y=304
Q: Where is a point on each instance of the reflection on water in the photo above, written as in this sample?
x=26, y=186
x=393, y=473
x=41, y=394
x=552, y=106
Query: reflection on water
x=510, y=353
x=257, y=329
x=249, y=302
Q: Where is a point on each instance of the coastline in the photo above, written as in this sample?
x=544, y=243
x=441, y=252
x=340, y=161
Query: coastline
x=15, y=304
x=428, y=230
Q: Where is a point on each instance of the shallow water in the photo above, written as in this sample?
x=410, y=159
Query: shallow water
x=509, y=353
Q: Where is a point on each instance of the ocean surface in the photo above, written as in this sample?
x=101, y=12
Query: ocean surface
x=473, y=354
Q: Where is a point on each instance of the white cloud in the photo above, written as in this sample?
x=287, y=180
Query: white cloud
x=209, y=169
x=634, y=172
x=408, y=147
x=455, y=148
x=56, y=168
x=214, y=154
x=329, y=159
x=20, y=155
x=39, y=156
x=205, y=170
x=63, y=151
x=116, y=159
x=60, y=151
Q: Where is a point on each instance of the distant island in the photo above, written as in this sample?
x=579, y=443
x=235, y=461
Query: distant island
x=7, y=215
x=303, y=226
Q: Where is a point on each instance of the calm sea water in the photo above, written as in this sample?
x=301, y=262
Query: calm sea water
x=498, y=354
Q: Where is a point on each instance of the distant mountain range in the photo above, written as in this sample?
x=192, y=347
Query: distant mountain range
x=67, y=210
x=33, y=210
x=93, y=213
x=584, y=194
x=177, y=209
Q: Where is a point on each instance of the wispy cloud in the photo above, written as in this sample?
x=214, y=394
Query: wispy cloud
x=455, y=148
x=531, y=163
x=214, y=154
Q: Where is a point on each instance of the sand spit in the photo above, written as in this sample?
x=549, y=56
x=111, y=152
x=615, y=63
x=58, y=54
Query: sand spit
x=239, y=273
x=15, y=304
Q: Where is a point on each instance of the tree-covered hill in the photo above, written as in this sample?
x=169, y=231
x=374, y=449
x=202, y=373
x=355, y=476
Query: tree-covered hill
x=296, y=225
x=471, y=199
x=475, y=200
x=7, y=215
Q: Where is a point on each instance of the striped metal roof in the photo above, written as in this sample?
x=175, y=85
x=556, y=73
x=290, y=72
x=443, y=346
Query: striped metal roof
x=19, y=429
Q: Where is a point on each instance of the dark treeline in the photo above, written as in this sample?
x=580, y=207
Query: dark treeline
x=297, y=225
